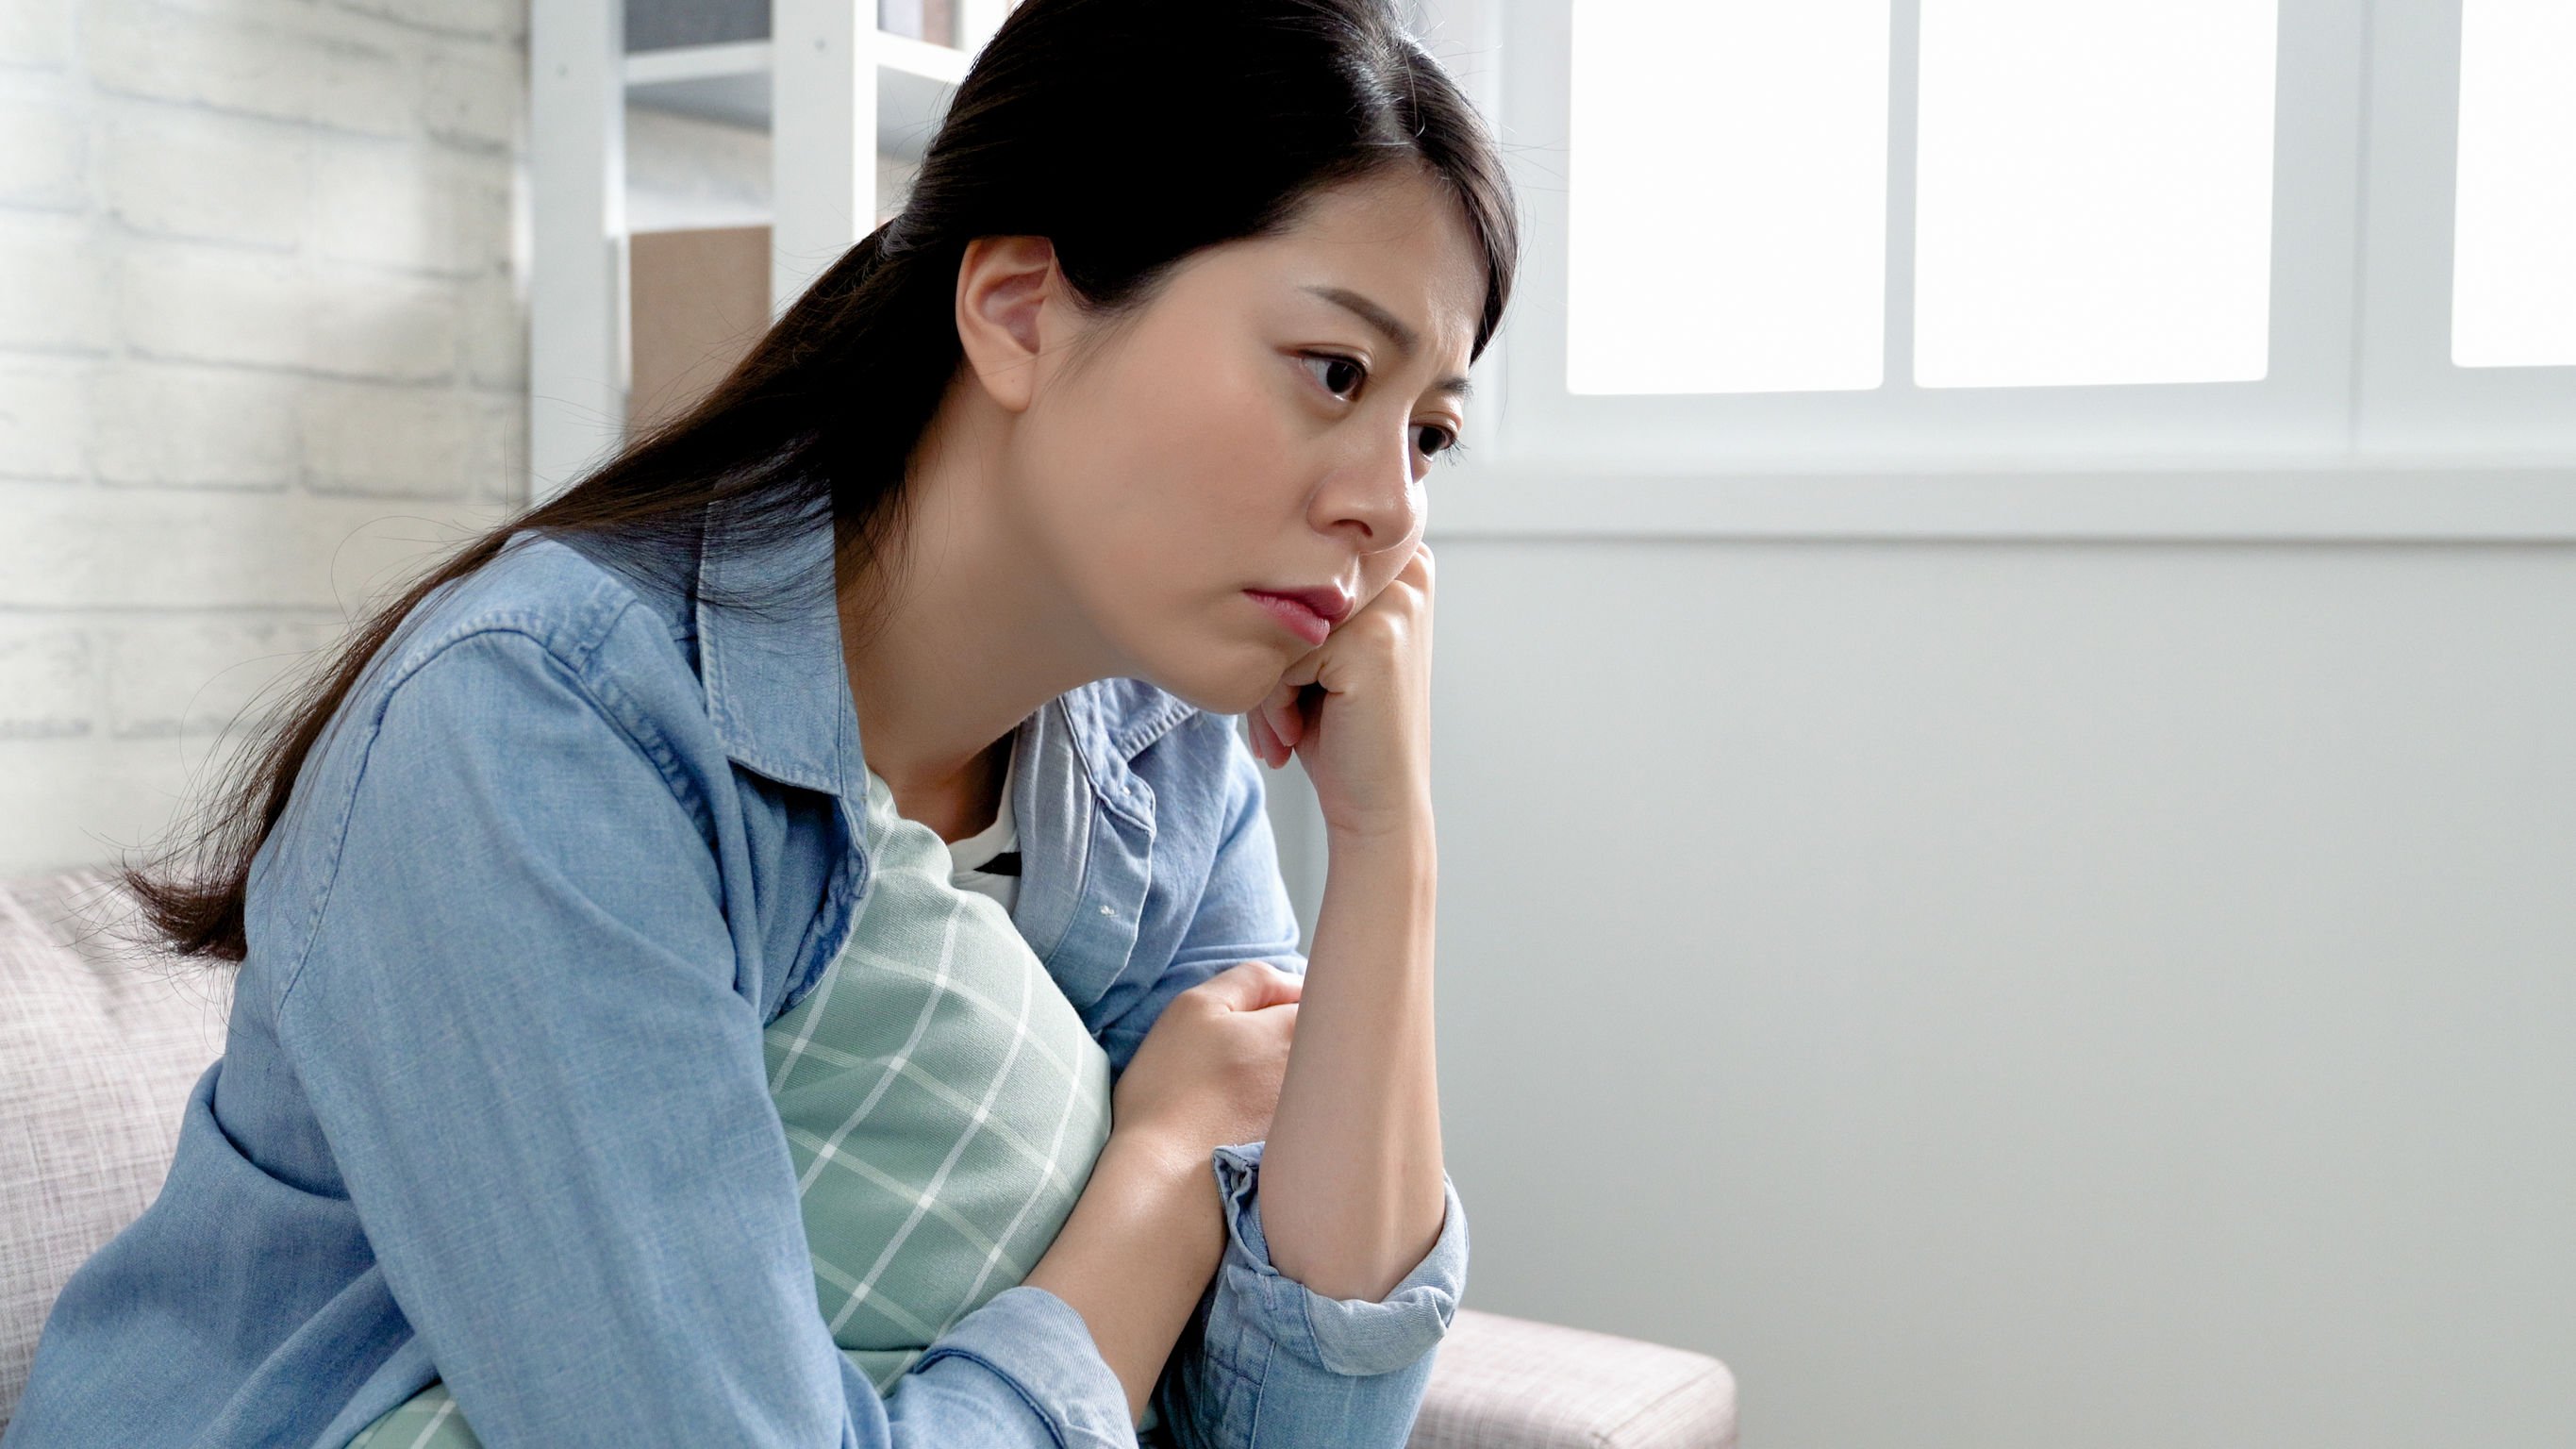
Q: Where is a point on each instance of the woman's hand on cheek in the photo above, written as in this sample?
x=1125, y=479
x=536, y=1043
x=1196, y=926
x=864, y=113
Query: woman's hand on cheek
x=1357, y=710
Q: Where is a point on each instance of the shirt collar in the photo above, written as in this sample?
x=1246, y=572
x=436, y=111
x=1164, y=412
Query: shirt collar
x=775, y=684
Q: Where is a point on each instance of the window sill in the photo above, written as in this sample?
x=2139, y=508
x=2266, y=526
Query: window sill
x=2423, y=503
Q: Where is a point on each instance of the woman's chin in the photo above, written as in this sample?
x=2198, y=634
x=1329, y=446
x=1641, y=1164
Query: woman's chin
x=1226, y=690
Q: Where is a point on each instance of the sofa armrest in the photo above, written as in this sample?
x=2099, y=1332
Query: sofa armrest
x=1499, y=1382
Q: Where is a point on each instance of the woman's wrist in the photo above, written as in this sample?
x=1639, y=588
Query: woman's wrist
x=1406, y=826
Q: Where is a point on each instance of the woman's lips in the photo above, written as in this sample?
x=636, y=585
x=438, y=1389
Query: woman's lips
x=1306, y=623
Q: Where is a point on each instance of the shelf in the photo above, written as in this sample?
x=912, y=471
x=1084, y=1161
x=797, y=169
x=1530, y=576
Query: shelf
x=763, y=101
x=729, y=82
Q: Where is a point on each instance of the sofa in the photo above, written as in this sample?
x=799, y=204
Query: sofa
x=100, y=1042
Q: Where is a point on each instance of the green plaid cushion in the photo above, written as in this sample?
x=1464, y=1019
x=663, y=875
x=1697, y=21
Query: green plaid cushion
x=944, y=1105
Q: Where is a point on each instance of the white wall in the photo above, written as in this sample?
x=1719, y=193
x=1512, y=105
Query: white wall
x=262, y=347
x=2021, y=997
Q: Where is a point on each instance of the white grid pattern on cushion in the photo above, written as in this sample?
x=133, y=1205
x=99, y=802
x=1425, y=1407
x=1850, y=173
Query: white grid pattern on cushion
x=943, y=1101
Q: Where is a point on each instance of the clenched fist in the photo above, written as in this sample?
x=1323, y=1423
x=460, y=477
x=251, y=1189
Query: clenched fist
x=1208, y=1073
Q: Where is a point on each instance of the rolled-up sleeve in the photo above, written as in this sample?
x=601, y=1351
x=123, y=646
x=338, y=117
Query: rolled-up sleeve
x=1346, y=1336
x=518, y=1022
x=1267, y=1362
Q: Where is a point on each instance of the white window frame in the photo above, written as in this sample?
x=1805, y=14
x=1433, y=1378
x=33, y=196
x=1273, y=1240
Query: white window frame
x=2360, y=429
x=2411, y=398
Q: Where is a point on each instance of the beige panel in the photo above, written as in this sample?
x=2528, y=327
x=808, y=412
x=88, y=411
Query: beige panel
x=701, y=299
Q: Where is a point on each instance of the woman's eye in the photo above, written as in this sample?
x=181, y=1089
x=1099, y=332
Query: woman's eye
x=1356, y=373
x=1436, y=440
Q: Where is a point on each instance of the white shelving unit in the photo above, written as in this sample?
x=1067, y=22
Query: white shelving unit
x=731, y=82
x=833, y=91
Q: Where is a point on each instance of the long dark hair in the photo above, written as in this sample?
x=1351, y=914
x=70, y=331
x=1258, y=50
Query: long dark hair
x=1130, y=133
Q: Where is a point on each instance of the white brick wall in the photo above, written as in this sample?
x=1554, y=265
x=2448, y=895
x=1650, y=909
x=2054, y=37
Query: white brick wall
x=262, y=355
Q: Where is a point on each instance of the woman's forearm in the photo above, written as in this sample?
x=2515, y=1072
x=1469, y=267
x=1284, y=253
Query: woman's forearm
x=1140, y=1247
x=1351, y=1174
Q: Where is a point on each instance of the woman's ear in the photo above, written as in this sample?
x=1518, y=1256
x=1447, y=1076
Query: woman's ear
x=1009, y=311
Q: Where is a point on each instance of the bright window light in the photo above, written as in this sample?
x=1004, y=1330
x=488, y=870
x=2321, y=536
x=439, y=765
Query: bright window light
x=2093, y=192
x=2513, y=278
x=1728, y=196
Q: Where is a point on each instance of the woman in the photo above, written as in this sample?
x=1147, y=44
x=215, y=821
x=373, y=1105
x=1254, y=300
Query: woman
x=535, y=892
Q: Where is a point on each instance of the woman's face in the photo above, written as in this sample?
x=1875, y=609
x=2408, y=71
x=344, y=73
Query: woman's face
x=1248, y=431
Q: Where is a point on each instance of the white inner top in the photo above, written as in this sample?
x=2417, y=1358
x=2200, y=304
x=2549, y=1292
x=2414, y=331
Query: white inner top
x=970, y=855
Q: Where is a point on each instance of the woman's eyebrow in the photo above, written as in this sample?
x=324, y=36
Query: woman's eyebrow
x=1406, y=340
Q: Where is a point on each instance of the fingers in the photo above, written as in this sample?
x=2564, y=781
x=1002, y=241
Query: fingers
x=1287, y=726
x=1275, y=987
x=1277, y=725
x=1252, y=985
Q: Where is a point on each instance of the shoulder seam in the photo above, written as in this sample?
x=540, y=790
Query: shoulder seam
x=577, y=670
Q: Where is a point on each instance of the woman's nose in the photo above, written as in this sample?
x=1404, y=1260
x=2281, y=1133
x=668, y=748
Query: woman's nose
x=1375, y=497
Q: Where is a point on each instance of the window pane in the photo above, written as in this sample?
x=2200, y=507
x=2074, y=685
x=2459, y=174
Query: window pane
x=2513, y=279
x=2094, y=192
x=1728, y=196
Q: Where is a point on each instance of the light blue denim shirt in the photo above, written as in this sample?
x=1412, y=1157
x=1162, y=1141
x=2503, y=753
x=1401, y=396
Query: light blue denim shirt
x=492, y=1106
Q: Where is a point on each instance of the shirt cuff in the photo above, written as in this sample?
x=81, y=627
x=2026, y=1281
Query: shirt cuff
x=1342, y=1335
x=1040, y=1346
